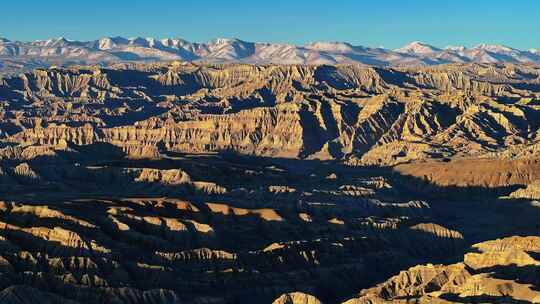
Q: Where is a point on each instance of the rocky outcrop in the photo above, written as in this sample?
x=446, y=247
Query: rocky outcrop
x=532, y=191
x=361, y=115
x=471, y=173
x=417, y=282
x=500, y=271
x=296, y=298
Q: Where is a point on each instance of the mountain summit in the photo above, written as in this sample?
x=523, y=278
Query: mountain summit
x=16, y=56
x=417, y=47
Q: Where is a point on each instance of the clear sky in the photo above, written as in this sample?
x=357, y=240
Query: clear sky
x=388, y=23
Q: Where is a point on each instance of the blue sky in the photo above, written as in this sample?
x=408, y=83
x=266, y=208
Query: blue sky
x=388, y=23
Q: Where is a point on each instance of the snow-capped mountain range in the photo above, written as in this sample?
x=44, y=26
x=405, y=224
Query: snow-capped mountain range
x=19, y=55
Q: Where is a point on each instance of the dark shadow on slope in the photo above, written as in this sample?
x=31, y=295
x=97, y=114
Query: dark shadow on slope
x=127, y=56
x=312, y=134
x=482, y=299
x=342, y=271
x=141, y=80
x=527, y=275
x=395, y=77
x=330, y=75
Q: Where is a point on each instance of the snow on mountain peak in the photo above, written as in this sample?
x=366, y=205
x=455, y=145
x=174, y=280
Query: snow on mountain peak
x=111, y=49
x=494, y=48
x=218, y=41
x=456, y=48
x=417, y=47
x=339, y=47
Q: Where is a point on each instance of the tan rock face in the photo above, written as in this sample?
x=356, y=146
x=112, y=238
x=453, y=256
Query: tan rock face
x=532, y=191
x=474, y=172
x=510, y=251
x=296, y=298
x=357, y=114
x=484, y=276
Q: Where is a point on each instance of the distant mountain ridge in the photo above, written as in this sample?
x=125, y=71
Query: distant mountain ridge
x=18, y=56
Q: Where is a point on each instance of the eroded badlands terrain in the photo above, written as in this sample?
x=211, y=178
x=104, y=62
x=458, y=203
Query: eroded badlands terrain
x=192, y=183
